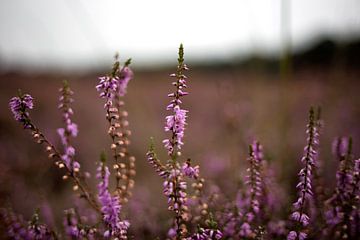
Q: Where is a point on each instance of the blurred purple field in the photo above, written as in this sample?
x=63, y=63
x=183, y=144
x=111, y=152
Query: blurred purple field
x=228, y=109
x=250, y=133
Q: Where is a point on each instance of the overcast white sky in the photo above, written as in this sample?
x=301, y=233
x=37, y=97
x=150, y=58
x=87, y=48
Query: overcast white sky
x=71, y=33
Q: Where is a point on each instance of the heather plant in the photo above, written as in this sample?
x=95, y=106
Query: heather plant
x=198, y=209
x=305, y=186
x=175, y=172
x=106, y=203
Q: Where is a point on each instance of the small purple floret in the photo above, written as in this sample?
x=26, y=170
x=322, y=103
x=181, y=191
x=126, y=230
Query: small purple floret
x=19, y=107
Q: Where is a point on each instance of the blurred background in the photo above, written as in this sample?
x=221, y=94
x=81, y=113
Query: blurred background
x=255, y=69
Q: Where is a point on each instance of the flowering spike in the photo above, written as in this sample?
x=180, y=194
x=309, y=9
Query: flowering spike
x=176, y=122
x=154, y=161
x=305, y=193
x=255, y=189
x=113, y=88
x=110, y=206
x=37, y=230
x=342, y=207
x=19, y=107
x=75, y=228
x=70, y=129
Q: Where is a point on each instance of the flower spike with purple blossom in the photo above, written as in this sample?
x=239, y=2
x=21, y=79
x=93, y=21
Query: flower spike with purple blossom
x=175, y=173
x=113, y=88
x=70, y=129
x=255, y=187
x=342, y=208
x=305, y=185
x=175, y=123
x=19, y=107
x=110, y=205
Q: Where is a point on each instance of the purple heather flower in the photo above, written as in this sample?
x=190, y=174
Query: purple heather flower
x=189, y=171
x=302, y=218
x=292, y=235
x=205, y=234
x=343, y=205
x=255, y=182
x=19, y=107
x=61, y=132
x=15, y=225
x=110, y=206
x=245, y=230
x=174, y=184
x=107, y=87
x=302, y=235
x=277, y=228
x=251, y=200
x=305, y=174
x=75, y=229
x=71, y=224
x=333, y=216
x=110, y=86
x=230, y=227
x=175, y=190
x=37, y=230
x=171, y=233
x=176, y=122
x=124, y=77
x=18, y=228
x=70, y=129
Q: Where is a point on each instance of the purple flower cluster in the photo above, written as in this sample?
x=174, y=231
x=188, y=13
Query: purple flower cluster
x=293, y=235
x=107, y=87
x=110, y=206
x=190, y=171
x=205, y=234
x=251, y=215
x=255, y=177
x=19, y=107
x=71, y=224
x=113, y=88
x=305, y=185
x=175, y=173
x=248, y=203
x=17, y=228
x=175, y=190
x=37, y=230
x=200, y=211
x=342, y=206
x=70, y=129
x=125, y=76
x=255, y=188
x=75, y=229
x=175, y=123
x=116, y=84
